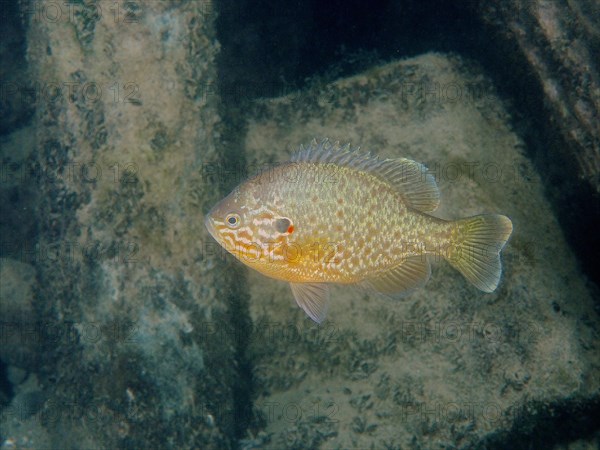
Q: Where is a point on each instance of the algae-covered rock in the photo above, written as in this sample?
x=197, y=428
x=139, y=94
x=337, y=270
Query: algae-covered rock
x=447, y=366
x=124, y=275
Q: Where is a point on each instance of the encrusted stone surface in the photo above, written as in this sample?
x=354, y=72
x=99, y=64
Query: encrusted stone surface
x=123, y=277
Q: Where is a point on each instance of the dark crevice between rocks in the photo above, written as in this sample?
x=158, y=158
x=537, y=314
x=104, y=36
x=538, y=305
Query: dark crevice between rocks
x=243, y=391
x=18, y=185
x=271, y=47
x=16, y=98
x=6, y=389
x=546, y=425
x=231, y=171
x=237, y=297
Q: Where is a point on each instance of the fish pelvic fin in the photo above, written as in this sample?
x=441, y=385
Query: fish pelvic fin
x=313, y=298
x=475, y=249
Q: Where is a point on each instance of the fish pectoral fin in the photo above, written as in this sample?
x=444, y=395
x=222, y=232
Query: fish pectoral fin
x=411, y=274
x=313, y=298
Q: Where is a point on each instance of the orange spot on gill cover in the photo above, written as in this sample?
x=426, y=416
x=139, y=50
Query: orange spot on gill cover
x=291, y=229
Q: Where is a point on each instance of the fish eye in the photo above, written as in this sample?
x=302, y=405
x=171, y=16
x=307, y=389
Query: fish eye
x=232, y=220
x=284, y=225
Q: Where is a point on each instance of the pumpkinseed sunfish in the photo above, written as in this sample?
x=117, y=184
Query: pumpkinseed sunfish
x=335, y=215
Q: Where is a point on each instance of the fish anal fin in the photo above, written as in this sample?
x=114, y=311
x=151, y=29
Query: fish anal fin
x=313, y=298
x=411, y=274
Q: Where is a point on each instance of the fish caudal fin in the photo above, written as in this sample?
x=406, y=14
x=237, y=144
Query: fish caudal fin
x=475, y=250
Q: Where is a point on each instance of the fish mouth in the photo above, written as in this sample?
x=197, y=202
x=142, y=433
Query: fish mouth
x=210, y=226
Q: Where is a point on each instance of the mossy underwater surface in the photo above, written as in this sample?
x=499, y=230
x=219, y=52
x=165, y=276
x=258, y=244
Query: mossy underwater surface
x=125, y=325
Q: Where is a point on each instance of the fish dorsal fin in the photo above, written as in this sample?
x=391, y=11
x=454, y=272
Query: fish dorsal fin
x=411, y=274
x=409, y=178
x=313, y=298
